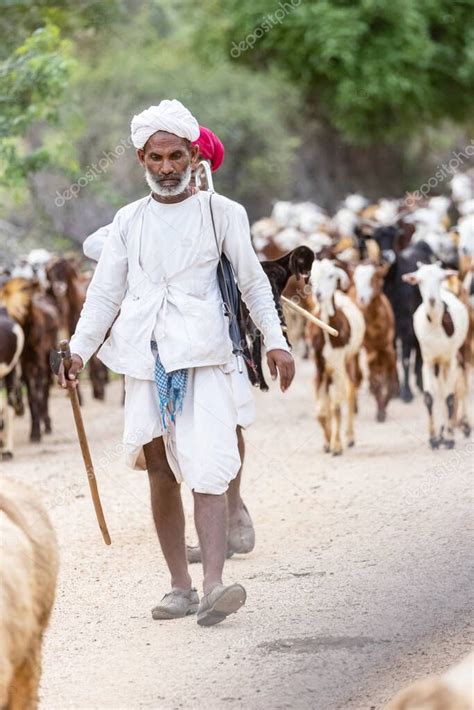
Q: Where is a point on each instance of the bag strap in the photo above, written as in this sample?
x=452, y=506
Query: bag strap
x=221, y=263
x=214, y=224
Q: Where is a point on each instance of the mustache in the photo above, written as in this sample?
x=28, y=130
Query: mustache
x=171, y=176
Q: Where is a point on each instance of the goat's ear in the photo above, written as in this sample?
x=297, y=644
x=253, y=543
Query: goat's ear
x=343, y=278
x=294, y=265
x=410, y=278
x=383, y=269
x=450, y=272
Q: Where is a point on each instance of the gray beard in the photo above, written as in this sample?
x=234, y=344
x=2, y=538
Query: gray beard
x=156, y=187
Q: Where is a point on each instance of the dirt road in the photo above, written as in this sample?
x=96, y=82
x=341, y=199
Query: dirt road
x=360, y=581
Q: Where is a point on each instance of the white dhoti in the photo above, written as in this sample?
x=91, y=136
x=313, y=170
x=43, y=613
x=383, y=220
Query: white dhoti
x=201, y=446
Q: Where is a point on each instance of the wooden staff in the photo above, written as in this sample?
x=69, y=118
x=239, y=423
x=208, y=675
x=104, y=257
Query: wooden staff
x=81, y=433
x=309, y=316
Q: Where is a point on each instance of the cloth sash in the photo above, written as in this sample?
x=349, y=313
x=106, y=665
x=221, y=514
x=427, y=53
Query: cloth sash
x=171, y=387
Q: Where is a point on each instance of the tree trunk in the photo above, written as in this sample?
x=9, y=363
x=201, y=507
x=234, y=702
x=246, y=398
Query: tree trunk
x=329, y=168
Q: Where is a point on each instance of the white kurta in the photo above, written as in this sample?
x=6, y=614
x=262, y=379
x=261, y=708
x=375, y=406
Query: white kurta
x=202, y=445
x=178, y=296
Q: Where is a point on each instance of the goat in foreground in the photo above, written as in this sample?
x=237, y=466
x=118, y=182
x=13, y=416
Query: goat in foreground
x=451, y=691
x=29, y=571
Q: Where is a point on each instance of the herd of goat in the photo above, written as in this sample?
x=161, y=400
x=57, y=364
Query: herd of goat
x=394, y=278
x=389, y=278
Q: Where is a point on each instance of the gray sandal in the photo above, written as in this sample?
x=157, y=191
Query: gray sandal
x=176, y=604
x=219, y=603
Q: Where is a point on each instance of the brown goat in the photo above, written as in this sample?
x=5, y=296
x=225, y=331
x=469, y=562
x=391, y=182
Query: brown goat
x=39, y=319
x=69, y=286
x=29, y=572
x=379, y=335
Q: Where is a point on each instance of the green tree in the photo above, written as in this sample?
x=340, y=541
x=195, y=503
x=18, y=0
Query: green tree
x=374, y=69
x=240, y=105
x=35, y=67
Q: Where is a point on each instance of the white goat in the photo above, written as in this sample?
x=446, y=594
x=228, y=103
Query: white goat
x=441, y=325
x=337, y=369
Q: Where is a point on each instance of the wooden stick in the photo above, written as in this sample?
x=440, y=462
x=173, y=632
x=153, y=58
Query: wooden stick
x=309, y=316
x=86, y=455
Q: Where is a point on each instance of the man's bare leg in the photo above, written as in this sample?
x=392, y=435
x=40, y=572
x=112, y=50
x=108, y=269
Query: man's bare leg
x=168, y=513
x=241, y=535
x=210, y=518
x=234, y=500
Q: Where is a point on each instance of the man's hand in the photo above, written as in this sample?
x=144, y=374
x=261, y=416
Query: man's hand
x=72, y=380
x=281, y=361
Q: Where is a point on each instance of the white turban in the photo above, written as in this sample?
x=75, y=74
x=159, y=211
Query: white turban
x=169, y=116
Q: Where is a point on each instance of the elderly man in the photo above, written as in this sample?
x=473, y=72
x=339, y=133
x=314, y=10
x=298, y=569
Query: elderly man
x=241, y=533
x=159, y=268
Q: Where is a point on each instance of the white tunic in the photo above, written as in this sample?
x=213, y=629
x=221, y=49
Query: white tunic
x=165, y=256
x=159, y=268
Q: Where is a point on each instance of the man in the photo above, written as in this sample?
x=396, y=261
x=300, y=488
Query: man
x=158, y=267
x=240, y=533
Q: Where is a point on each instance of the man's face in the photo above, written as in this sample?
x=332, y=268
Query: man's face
x=167, y=160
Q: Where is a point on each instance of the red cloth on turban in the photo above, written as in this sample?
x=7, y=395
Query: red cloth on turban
x=210, y=148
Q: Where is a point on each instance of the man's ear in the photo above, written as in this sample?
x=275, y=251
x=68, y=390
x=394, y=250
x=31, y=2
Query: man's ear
x=194, y=150
x=141, y=155
x=410, y=278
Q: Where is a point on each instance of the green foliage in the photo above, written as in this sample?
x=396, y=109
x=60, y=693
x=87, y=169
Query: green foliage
x=375, y=69
x=242, y=107
x=32, y=81
x=35, y=67
x=20, y=18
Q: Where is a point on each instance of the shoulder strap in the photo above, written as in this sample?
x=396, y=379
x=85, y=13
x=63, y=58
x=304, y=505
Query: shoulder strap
x=214, y=224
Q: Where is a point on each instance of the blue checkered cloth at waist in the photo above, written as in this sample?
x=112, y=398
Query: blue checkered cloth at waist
x=171, y=388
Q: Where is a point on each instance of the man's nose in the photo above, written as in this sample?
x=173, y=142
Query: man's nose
x=167, y=167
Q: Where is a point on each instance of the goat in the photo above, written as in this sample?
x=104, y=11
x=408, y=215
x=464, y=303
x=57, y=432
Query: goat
x=68, y=287
x=404, y=297
x=39, y=320
x=29, y=555
x=441, y=325
x=299, y=291
x=296, y=263
x=12, y=340
x=337, y=370
x=451, y=691
x=379, y=334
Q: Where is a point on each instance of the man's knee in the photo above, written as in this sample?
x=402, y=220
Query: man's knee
x=159, y=471
x=210, y=492
x=162, y=477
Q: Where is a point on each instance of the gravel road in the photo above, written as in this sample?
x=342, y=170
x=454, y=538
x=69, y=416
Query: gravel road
x=361, y=579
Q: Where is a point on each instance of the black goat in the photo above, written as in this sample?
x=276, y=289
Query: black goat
x=404, y=297
x=298, y=263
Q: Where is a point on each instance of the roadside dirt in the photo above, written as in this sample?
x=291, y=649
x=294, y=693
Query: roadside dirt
x=361, y=579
